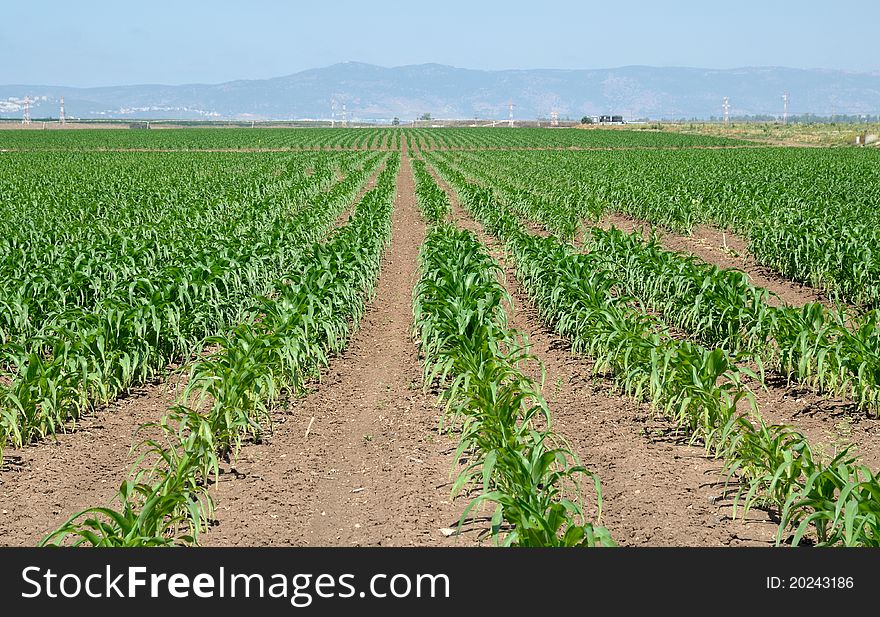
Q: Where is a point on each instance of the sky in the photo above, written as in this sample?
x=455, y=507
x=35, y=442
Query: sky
x=98, y=42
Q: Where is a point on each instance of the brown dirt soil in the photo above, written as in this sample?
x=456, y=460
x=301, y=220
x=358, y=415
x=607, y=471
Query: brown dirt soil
x=708, y=243
x=43, y=484
x=358, y=461
x=657, y=490
x=828, y=423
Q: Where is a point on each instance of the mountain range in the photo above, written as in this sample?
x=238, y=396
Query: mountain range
x=372, y=93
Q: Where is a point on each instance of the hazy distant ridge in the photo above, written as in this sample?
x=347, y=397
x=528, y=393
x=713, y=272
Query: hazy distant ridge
x=373, y=92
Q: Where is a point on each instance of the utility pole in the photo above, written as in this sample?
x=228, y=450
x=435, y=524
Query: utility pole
x=26, y=116
x=785, y=108
x=510, y=113
x=726, y=105
x=61, y=118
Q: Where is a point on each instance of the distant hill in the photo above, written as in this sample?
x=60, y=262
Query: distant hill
x=373, y=92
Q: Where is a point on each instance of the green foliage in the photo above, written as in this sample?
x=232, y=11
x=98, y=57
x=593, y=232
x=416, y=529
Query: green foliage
x=432, y=200
x=326, y=138
x=829, y=350
x=809, y=214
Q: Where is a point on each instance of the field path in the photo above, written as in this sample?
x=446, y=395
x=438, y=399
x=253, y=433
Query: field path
x=358, y=461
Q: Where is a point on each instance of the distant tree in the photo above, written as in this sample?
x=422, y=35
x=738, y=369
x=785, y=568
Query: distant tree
x=425, y=116
x=396, y=121
x=586, y=120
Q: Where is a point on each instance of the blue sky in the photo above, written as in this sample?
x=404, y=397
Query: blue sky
x=97, y=42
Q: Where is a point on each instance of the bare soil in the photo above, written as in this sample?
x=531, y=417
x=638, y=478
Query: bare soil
x=44, y=484
x=828, y=423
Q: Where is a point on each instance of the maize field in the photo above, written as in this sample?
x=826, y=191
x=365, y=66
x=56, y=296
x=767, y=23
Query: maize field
x=436, y=337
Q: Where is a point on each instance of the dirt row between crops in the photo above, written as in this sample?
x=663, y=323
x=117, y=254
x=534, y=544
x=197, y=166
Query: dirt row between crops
x=657, y=490
x=41, y=485
x=358, y=461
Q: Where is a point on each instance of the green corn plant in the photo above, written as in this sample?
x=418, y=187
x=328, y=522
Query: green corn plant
x=432, y=200
x=505, y=426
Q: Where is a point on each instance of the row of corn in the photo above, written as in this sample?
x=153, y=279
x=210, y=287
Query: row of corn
x=507, y=447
